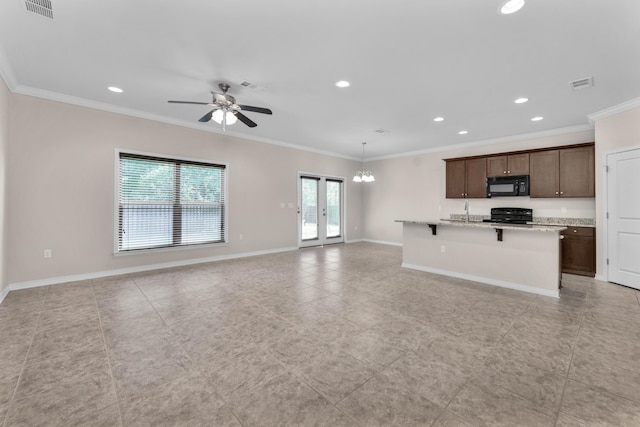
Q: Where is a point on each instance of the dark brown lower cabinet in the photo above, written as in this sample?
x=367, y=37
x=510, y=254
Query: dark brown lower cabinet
x=579, y=251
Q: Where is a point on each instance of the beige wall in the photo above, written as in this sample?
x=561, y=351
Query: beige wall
x=61, y=188
x=58, y=163
x=613, y=133
x=413, y=187
x=4, y=144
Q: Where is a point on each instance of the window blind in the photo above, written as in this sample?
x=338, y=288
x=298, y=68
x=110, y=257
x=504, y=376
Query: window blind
x=169, y=202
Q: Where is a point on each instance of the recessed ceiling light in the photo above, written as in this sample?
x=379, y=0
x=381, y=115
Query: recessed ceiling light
x=537, y=119
x=521, y=100
x=463, y=132
x=343, y=83
x=511, y=6
x=115, y=89
x=438, y=119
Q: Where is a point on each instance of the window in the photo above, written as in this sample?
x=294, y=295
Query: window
x=169, y=203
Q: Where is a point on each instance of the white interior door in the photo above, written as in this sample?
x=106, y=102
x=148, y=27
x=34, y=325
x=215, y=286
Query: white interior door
x=320, y=210
x=623, y=226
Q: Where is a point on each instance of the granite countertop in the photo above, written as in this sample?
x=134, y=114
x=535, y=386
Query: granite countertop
x=565, y=222
x=480, y=224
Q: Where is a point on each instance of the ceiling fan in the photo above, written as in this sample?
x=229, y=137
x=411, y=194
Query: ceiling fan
x=225, y=110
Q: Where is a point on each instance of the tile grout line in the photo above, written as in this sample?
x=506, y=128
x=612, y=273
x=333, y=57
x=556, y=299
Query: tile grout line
x=566, y=380
x=335, y=405
x=472, y=376
x=106, y=352
x=193, y=363
x=24, y=363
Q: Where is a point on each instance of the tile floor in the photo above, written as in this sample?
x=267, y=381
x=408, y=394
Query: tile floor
x=335, y=336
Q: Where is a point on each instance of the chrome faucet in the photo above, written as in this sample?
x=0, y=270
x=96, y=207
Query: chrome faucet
x=466, y=209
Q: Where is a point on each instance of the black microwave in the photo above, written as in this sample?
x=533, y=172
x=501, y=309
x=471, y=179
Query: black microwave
x=501, y=186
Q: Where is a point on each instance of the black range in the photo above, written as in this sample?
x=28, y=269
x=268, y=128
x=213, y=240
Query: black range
x=511, y=215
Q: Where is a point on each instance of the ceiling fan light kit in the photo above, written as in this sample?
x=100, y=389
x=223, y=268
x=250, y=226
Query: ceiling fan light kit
x=363, y=175
x=224, y=117
x=225, y=109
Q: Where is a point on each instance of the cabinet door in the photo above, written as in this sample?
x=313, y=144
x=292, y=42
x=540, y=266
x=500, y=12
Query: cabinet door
x=476, y=178
x=455, y=184
x=577, y=172
x=497, y=166
x=518, y=164
x=579, y=251
x=544, y=169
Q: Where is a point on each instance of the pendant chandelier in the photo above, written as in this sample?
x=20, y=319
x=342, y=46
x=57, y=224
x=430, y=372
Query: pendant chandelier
x=363, y=175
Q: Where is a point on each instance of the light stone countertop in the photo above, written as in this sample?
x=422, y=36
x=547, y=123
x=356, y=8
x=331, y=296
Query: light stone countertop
x=491, y=225
x=568, y=222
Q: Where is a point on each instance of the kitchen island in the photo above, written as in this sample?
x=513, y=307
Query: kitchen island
x=524, y=257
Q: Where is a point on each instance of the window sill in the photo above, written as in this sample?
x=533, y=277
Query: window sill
x=170, y=249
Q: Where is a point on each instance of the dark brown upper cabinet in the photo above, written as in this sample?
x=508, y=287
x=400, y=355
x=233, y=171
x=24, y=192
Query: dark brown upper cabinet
x=514, y=164
x=466, y=178
x=577, y=172
x=565, y=172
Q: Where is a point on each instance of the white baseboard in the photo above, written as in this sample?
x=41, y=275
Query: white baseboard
x=4, y=293
x=137, y=269
x=487, y=281
x=382, y=242
x=600, y=277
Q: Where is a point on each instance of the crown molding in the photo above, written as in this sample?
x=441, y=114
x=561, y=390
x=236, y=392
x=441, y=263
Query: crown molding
x=6, y=72
x=82, y=102
x=616, y=109
x=512, y=138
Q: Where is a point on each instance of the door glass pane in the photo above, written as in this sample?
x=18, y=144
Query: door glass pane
x=309, y=213
x=333, y=208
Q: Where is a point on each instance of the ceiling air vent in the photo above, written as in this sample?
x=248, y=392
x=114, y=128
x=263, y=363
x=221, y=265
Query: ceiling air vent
x=40, y=7
x=248, y=84
x=381, y=131
x=582, y=83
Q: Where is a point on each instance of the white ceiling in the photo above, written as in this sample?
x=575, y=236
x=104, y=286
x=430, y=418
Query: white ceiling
x=407, y=61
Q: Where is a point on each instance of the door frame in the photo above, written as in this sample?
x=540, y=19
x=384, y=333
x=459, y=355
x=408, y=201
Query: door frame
x=343, y=214
x=605, y=208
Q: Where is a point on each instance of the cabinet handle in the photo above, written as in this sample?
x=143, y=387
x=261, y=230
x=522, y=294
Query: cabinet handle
x=462, y=194
x=504, y=171
x=575, y=231
x=508, y=171
x=561, y=237
x=556, y=192
x=562, y=192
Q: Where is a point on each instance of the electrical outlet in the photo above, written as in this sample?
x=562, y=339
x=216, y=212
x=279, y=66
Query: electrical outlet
x=47, y=253
x=443, y=249
x=241, y=236
x=563, y=210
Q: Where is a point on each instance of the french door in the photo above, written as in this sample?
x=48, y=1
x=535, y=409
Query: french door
x=320, y=210
x=623, y=224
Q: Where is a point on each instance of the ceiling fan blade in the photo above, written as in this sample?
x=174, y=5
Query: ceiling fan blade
x=190, y=102
x=255, y=109
x=246, y=120
x=207, y=116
